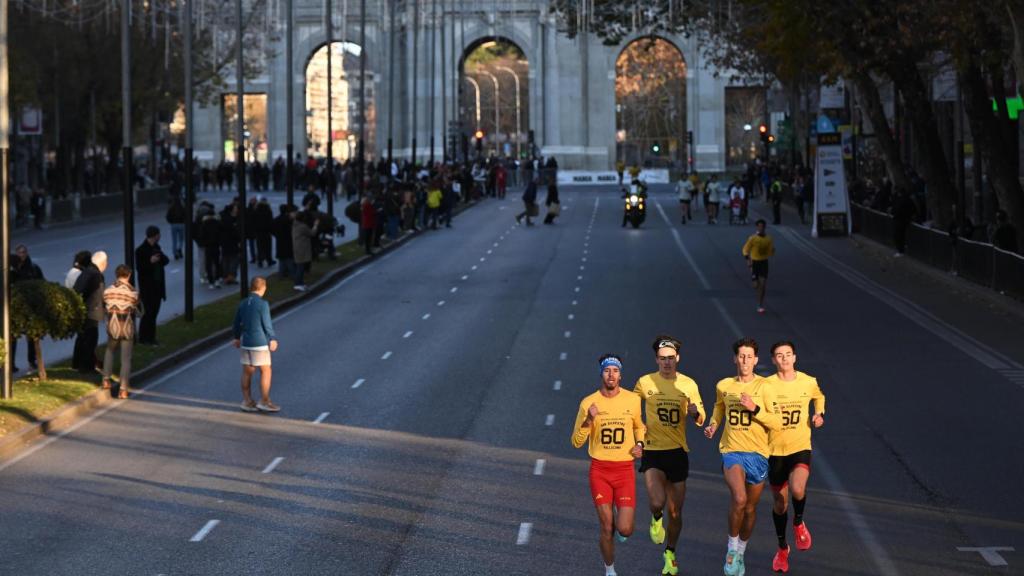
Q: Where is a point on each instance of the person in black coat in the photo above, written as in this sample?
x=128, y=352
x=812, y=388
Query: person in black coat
x=150, y=261
x=23, y=269
x=230, y=241
x=552, y=199
x=283, y=236
x=89, y=286
x=529, y=202
x=263, y=222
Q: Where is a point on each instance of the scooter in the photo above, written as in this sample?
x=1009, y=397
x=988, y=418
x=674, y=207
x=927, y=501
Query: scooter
x=635, y=210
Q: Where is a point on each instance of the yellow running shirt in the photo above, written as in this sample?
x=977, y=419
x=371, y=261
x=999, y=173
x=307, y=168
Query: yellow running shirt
x=742, y=430
x=617, y=428
x=759, y=247
x=794, y=398
x=666, y=403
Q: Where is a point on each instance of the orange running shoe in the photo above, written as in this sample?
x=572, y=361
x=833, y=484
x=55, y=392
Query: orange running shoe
x=781, y=561
x=803, y=536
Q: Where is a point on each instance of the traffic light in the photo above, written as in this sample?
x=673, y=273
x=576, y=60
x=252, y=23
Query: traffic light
x=479, y=136
x=771, y=138
x=689, y=137
x=763, y=130
x=656, y=148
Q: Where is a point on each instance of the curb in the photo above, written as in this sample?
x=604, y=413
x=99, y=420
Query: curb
x=68, y=415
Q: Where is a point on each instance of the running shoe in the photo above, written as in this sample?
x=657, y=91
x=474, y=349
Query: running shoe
x=671, y=568
x=249, y=407
x=620, y=538
x=657, y=530
x=803, y=536
x=733, y=563
x=781, y=561
x=743, y=566
x=268, y=407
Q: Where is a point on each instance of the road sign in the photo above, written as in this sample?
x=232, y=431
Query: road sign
x=831, y=202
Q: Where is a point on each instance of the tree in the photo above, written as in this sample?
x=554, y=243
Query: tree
x=39, y=309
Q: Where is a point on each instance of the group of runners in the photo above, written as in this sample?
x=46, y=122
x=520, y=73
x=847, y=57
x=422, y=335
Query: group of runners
x=766, y=427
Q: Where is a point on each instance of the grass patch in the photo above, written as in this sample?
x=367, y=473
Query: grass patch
x=35, y=399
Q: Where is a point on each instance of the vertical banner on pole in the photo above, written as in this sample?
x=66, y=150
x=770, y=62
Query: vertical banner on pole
x=831, y=201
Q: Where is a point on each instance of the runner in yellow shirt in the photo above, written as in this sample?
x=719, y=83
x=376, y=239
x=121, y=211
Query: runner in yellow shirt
x=790, y=462
x=747, y=410
x=668, y=398
x=609, y=422
x=757, y=249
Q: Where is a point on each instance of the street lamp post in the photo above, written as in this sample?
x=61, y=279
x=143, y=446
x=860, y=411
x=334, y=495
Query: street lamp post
x=476, y=90
x=290, y=178
x=362, y=99
x=189, y=184
x=497, y=110
x=519, y=126
x=5, y=233
x=243, y=284
x=329, y=26
x=128, y=202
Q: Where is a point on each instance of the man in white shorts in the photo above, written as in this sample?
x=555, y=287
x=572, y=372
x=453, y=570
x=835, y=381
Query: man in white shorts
x=254, y=336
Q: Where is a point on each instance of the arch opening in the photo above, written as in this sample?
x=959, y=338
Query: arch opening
x=650, y=105
x=345, y=99
x=494, y=100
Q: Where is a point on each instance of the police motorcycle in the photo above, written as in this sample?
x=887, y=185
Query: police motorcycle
x=635, y=209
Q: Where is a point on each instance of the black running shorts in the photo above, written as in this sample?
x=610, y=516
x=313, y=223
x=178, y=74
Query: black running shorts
x=759, y=268
x=779, y=467
x=674, y=463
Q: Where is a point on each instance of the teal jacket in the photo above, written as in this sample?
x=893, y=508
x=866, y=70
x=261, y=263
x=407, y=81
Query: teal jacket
x=252, y=323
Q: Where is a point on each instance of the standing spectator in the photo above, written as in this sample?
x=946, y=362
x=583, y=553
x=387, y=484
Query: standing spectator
x=552, y=203
x=122, y=305
x=23, y=269
x=282, y=228
x=150, y=261
x=392, y=212
x=434, y=198
x=711, y=194
x=230, y=242
x=90, y=287
x=263, y=221
x=176, y=218
x=902, y=215
x=254, y=335
x=500, y=180
x=82, y=260
x=303, y=235
x=1004, y=236
x=368, y=223
x=208, y=238
x=250, y=229
x=775, y=197
x=798, y=197
x=529, y=202
x=38, y=206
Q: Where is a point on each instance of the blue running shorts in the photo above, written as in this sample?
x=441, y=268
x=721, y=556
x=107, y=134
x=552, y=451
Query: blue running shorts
x=754, y=465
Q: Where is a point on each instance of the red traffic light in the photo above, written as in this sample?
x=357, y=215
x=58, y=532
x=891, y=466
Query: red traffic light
x=771, y=138
x=762, y=129
x=479, y=135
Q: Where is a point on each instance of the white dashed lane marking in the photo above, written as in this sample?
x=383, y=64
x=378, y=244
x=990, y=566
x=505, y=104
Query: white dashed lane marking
x=425, y=316
x=273, y=464
x=558, y=385
x=454, y=289
x=323, y=416
x=538, y=467
x=440, y=302
x=359, y=383
x=407, y=334
x=549, y=420
x=386, y=355
x=567, y=334
x=205, y=530
x=563, y=356
x=524, y=534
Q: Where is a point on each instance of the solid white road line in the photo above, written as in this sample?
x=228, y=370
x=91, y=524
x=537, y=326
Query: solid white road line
x=358, y=383
x=323, y=416
x=273, y=464
x=524, y=534
x=386, y=355
x=549, y=420
x=425, y=316
x=558, y=385
x=407, y=334
x=198, y=536
x=538, y=467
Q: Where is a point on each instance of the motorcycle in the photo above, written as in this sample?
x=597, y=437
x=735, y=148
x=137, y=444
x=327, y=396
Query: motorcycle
x=635, y=209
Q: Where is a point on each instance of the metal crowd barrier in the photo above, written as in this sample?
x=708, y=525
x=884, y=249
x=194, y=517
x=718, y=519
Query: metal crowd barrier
x=979, y=262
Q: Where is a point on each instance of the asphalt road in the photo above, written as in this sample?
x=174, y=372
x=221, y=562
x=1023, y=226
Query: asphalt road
x=428, y=401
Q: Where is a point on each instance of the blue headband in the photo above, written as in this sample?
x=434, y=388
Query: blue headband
x=610, y=362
